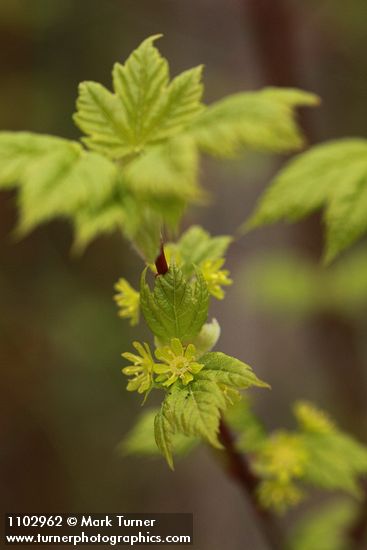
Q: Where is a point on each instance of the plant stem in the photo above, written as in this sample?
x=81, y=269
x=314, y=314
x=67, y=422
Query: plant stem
x=357, y=533
x=239, y=470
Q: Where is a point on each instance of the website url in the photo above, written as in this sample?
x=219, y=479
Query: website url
x=112, y=540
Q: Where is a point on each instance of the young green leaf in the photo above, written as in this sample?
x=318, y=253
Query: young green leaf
x=144, y=108
x=143, y=228
x=139, y=85
x=346, y=212
x=101, y=116
x=62, y=183
x=137, y=220
x=169, y=170
x=291, y=97
x=152, y=128
x=195, y=409
x=91, y=222
x=117, y=124
x=226, y=370
x=56, y=176
x=317, y=454
x=333, y=174
x=141, y=440
x=177, y=307
x=325, y=528
x=163, y=432
x=263, y=121
x=336, y=461
x=197, y=246
x=182, y=104
x=20, y=150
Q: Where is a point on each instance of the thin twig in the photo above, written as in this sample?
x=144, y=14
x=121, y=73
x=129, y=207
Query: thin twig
x=357, y=533
x=239, y=470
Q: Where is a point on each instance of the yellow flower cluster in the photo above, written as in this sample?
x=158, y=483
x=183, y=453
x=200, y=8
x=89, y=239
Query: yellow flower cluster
x=177, y=362
x=215, y=277
x=128, y=301
x=141, y=368
x=282, y=456
x=277, y=495
x=311, y=419
x=281, y=460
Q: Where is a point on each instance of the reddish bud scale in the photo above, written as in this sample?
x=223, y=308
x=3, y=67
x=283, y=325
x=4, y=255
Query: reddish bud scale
x=161, y=262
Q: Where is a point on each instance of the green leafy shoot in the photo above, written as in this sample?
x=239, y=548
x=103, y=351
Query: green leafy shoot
x=91, y=222
x=55, y=177
x=167, y=170
x=316, y=454
x=195, y=409
x=195, y=245
x=141, y=169
x=331, y=175
x=336, y=459
x=260, y=121
x=228, y=371
x=197, y=248
x=177, y=307
x=325, y=527
x=144, y=108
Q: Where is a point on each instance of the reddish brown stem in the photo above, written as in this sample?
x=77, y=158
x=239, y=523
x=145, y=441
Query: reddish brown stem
x=358, y=530
x=239, y=470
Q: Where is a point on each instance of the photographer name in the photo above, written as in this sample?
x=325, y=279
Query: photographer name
x=113, y=521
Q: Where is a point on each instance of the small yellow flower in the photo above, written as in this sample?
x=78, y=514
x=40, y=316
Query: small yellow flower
x=279, y=496
x=312, y=419
x=215, y=277
x=283, y=457
x=177, y=363
x=141, y=368
x=128, y=301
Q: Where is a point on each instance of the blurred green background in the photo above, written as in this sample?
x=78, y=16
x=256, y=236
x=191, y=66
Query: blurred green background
x=63, y=402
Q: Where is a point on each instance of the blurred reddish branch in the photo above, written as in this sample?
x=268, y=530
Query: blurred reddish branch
x=239, y=469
